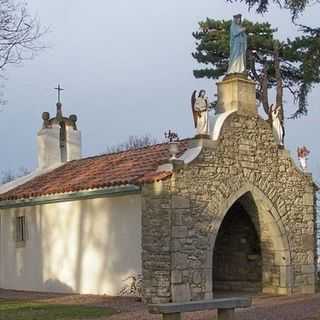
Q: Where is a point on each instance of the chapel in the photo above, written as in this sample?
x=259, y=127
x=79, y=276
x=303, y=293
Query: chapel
x=224, y=211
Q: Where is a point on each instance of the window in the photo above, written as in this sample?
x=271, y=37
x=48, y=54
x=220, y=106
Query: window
x=21, y=229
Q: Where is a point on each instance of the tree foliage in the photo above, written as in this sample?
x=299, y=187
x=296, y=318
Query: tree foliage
x=291, y=65
x=305, y=52
x=296, y=7
x=133, y=142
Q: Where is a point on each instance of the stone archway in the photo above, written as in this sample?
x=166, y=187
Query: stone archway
x=237, y=259
x=276, y=269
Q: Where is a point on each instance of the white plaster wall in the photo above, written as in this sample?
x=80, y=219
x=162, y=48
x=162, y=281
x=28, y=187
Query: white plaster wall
x=73, y=144
x=48, y=147
x=87, y=246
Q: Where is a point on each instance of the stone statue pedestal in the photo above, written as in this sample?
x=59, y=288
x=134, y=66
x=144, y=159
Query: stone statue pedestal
x=237, y=92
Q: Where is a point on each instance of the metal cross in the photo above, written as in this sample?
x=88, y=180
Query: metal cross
x=59, y=91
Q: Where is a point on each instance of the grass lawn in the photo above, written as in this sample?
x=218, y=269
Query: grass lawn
x=28, y=310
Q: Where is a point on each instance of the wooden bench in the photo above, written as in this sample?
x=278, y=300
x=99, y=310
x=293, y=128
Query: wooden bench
x=225, y=307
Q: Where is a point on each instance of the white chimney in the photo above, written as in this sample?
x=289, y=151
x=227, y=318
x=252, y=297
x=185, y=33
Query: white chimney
x=59, y=140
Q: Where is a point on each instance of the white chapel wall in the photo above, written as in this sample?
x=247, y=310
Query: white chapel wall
x=73, y=144
x=48, y=147
x=87, y=246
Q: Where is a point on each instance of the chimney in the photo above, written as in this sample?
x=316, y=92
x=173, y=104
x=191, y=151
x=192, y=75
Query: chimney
x=59, y=140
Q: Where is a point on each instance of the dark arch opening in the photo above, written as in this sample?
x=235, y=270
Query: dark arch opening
x=237, y=262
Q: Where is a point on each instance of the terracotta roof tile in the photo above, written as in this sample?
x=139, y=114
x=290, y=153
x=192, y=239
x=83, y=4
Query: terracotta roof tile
x=128, y=167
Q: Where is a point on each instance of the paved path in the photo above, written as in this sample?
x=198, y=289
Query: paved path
x=306, y=307
x=265, y=307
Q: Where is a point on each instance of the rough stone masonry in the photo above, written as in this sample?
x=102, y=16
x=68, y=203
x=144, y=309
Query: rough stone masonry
x=185, y=217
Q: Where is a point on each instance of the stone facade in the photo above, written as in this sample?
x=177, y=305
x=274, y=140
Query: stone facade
x=237, y=254
x=181, y=217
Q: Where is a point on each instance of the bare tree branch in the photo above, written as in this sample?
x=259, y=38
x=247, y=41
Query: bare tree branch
x=133, y=142
x=9, y=175
x=20, y=34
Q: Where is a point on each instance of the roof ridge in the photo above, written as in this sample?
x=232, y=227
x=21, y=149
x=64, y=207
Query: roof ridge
x=133, y=166
x=126, y=151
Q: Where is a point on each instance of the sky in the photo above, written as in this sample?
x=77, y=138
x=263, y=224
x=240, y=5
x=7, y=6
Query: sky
x=126, y=68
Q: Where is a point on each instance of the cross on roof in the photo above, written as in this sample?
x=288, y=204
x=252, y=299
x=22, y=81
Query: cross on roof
x=59, y=89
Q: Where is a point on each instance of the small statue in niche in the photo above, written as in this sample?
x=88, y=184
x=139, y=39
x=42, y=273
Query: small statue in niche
x=200, y=107
x=303, y=153
x=277, y=124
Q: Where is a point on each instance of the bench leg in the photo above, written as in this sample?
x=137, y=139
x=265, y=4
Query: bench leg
x=226, y=314
x=171, y=316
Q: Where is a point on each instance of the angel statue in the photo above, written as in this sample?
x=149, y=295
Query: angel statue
x=277, y=124
x=303, y=153
x=200, y=106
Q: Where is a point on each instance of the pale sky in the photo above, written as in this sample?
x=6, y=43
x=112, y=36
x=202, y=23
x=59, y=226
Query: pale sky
x=126, y=67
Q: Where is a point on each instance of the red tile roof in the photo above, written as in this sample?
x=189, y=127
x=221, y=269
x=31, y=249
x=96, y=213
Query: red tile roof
x=128, y=167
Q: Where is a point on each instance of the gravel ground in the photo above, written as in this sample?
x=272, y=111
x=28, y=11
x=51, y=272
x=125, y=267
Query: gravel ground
x=265, y=307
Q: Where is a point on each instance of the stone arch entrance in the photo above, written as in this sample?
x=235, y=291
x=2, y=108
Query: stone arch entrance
x=237, y=260
x=249, y=234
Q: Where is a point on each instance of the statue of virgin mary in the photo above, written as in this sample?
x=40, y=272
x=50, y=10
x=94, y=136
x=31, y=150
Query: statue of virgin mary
x=238, y=46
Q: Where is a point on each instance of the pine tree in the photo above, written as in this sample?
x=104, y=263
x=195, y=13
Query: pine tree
x=296, y=7
x=305, y=52
x=284, y=65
